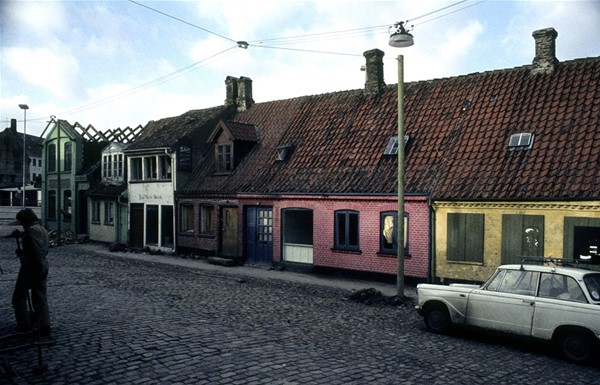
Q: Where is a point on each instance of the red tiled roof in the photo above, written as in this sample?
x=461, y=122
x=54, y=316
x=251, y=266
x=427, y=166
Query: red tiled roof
x=165, y=133
x=237, y=131
x=459, y=131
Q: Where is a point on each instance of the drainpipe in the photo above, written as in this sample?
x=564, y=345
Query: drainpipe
x=174, y=184
x=431, y=261
x=58, y=196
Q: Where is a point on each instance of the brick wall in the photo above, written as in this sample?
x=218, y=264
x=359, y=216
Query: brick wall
x=368, y=258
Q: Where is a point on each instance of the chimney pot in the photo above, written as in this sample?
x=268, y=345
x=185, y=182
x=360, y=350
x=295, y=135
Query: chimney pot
x=545, y=51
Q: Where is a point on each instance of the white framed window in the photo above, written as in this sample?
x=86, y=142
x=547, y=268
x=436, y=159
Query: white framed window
x=165, y=167
x=136, y=169
x=150, y=169
x=392, y=146
x=522, y=140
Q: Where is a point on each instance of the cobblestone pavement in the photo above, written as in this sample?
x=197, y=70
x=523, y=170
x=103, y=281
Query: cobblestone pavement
x=122, y=318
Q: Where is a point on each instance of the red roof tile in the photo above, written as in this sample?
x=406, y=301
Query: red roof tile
x=459, y=131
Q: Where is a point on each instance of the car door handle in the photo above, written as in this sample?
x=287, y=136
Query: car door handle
x=528, y=301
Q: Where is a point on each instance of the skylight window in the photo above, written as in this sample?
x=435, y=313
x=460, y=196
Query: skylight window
x=392, y=146
x=282, y=152
x=521, y=141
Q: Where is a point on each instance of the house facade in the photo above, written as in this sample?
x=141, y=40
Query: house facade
x=71, y=166
x=159, y=162
x=308, y=181
x=498, y=165
x=11, y=167
x=108, y=199
x=68, y=160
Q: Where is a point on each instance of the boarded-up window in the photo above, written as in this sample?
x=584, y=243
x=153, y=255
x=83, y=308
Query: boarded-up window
x=465, y=237
x=522, y=236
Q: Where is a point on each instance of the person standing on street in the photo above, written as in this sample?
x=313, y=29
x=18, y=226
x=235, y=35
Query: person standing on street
x=33, y=274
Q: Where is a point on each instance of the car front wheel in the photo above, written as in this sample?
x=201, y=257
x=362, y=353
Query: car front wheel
x=437, y=319
x=577, y=347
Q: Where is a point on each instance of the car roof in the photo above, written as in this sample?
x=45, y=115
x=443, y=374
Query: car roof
x=572, y=271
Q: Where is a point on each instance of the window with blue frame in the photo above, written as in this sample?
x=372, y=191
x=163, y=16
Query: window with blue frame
x=346, y=230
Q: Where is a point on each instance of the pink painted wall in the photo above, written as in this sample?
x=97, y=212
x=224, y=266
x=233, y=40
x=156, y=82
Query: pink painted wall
x=367, y=259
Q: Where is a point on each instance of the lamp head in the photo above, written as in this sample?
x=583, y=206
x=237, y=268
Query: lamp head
x=23, y=106
x=400, y=38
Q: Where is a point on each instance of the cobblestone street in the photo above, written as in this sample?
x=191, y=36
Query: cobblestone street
x=122, y=318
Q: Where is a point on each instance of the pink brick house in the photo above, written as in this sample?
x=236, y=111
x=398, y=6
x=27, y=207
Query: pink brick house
x=309, y=181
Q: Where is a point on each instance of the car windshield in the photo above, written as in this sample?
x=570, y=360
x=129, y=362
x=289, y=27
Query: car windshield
x=592, y=281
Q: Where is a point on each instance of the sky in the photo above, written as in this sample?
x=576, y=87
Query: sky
x=124, y=63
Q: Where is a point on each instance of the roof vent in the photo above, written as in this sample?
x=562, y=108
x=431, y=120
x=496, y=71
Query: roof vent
x=282, y=152
x=521, y=141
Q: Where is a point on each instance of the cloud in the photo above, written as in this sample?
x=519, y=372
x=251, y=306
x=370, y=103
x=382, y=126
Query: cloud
x=574, y=38
x=34, y=19
x=51, y=70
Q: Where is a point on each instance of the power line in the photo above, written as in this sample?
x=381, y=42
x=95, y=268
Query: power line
x=163, y=79
x=332, y=35
x=182, y=21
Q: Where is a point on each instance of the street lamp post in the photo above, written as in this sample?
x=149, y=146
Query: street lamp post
x=400, y=38
x=24, y=107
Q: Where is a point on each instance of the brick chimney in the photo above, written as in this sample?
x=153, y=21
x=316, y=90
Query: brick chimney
x=374, y=71
x=13, y=125
x=545, y=51
x=244, y=97
x=231, y=90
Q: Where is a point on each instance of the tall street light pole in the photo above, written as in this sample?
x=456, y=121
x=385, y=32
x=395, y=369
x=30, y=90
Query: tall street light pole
x=24, y=107
x=400, y=38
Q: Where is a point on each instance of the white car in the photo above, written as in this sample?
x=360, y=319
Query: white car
x=552, y=303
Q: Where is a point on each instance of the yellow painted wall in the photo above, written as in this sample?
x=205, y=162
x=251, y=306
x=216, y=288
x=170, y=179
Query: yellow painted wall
x=554, y=214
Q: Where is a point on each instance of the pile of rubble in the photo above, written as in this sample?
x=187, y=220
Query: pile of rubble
x=373, y=296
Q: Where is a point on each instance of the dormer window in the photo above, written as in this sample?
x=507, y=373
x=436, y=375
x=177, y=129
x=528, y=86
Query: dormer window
x=233, y=141
x=224, y=158
x=520, y=141
x=392, y=146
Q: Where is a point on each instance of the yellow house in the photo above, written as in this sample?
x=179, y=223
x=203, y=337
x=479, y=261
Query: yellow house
x=511, y=161
x=474, y=237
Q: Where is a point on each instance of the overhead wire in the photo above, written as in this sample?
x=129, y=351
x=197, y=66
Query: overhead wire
x=163, y=79
x=289, y=40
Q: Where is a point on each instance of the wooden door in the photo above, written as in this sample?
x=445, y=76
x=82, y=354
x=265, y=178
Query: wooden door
x=229, y=228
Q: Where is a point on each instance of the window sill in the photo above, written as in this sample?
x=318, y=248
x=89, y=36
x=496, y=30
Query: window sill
x=464, y=263
x=347, y=251
x=388, y=255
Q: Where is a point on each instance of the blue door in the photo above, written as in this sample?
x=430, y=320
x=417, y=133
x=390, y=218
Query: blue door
x=259, y=235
